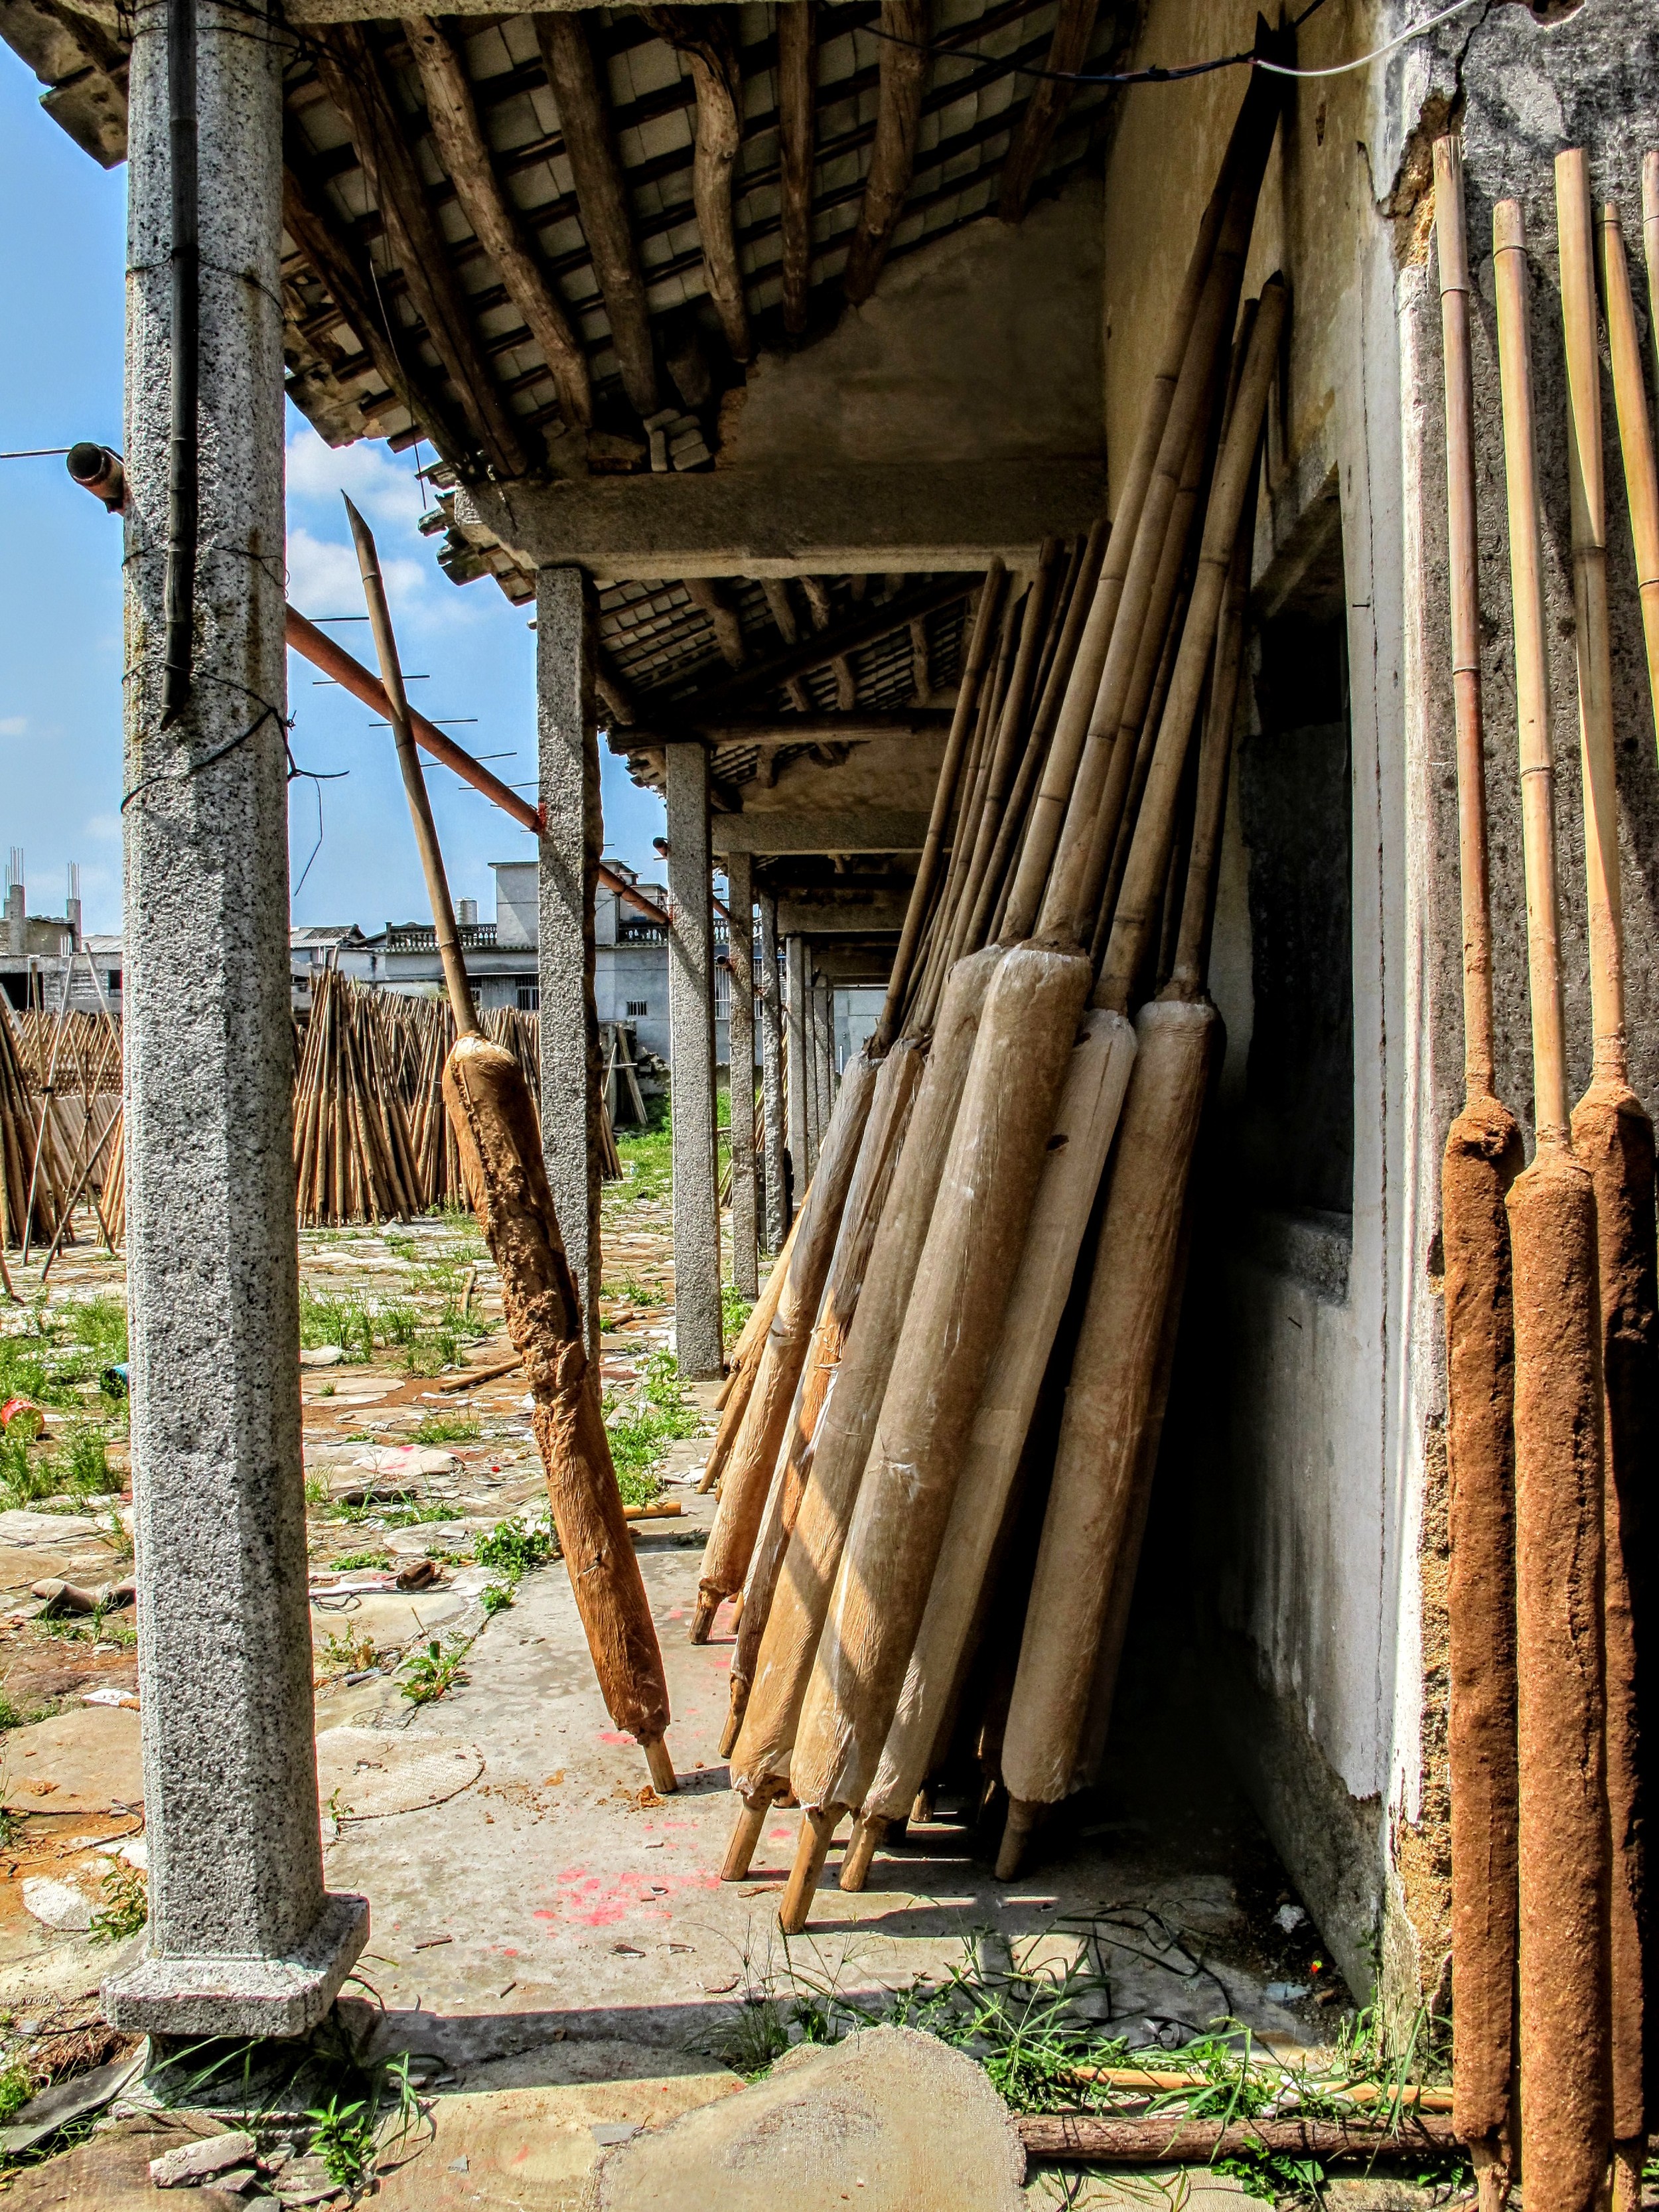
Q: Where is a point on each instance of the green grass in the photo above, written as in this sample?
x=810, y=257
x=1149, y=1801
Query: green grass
x=647, y=1155
x=16, y=2090
x=448, y=1429
x=126, y=1908
x=59, y=1360
x=345, y=1321
x=735, y=1310
x=350, y=1559
x=432, y=1674
x=641, y=1430
x=73, y=1463
x=511, y=1549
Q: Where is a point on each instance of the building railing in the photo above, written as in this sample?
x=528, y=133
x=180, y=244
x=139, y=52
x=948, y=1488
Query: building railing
x=421, y=937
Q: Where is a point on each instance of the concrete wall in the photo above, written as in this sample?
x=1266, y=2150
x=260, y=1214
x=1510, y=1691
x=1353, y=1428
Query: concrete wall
x=1322, y=1478
x=984, y=346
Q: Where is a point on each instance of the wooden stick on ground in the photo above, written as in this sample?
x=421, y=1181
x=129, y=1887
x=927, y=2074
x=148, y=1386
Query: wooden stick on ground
x=1565, y=2049
x=1613, y=1138
x=495, y=1120
x=1482, y=1158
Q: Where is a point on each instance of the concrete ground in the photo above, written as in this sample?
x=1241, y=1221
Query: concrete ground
x=543, y=1922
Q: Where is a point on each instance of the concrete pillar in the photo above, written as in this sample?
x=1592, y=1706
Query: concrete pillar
x=772, y=1075
x=798, y=1063
x=740, y=900
x=570, y=846
x=691, y=1041
x=823, y=1022
x=243, y=1939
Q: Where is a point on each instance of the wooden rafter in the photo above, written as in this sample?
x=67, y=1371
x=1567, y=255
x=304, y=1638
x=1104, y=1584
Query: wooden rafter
x=1075, y=31
x=797, y=71
x=589, y=148
x=893, y=155
x=702, y=38
x=776, y=589
x=720, y=608
x=495, y=221
x=351, y=69
x=823, y=649
x=346, y=277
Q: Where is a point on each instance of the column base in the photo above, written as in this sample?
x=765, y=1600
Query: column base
x=243, y=1996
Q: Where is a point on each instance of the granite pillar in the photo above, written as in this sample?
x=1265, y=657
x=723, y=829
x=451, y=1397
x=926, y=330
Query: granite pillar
x=244, y=1940
x=773, y=1083
x=740, y=901
x=572, y=838
x=691, y=1035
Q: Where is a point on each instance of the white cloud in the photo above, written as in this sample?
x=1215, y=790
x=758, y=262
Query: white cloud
x=324, y=578
x=382, y=483
x=13, y=726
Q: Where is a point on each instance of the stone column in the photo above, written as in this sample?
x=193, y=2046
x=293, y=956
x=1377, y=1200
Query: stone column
x=740, y=900
x=798, y=1063
x=772, y=1075
x=573, y=836
x=692, y=1039
x=244, y=1940
x=824, y=1013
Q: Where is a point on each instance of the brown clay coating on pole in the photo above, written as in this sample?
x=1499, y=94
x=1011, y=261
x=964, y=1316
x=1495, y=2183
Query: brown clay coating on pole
x=1072, y=729
x=1635, y=436
x=754, y=1455
x=944, y=793
x=1567, y=2118
x=842, y=1445
x=1612, y=1140
x=1482, y=1158
x=494, y=1120
x=1114, y=1371
x=878, y=1155
x=949, y=1333
x=745, y=1363
x=1230, y=487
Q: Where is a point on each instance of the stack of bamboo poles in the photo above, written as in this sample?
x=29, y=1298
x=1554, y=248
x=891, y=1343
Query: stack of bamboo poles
x=371, y=1138
x=1551, y=1305
x=871, y=1491
x=60, y=1125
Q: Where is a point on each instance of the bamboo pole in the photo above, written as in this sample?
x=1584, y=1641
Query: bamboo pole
x=1613, y=1138
x=1086, y=1118
x=754, y=1456
x=883, y=1139
x=1565, y=2047
x=1259, y=109
x=761, y=1757
x=1635, y=437
x=494, y=1120
x=1482, y=1158
x=744, y=1363
x=944, y=793
x=1651, y=245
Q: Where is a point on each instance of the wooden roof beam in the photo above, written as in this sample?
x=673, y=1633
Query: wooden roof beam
x=351, y=69
x=702, y=38
x=1075, y=31
x=719, y=610
x=496, y=224
x=309, y=222
x=798, y=74
x=893, y=156
x=601, y=195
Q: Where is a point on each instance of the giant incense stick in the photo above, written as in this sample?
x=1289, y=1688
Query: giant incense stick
x=1565, y=2049
x=1613, y=1138
x=1482, y=1156
x=494, y=1123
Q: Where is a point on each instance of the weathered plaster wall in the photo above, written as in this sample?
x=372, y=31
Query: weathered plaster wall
x=1326, y=1481
x=987, y=346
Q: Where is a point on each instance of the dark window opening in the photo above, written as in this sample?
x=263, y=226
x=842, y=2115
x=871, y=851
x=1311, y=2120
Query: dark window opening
x=1297, y=814
x=636, y=1007
x=113, y=979
x=530, y=998
x=17, y=991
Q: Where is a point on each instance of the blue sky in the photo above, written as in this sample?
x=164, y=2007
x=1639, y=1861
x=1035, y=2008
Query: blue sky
x=62, y=278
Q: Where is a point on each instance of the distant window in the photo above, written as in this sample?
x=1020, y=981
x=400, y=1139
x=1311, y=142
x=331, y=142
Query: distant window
x=17, y=990
x=637, y=1006
x=112, y=980
x=530, y=998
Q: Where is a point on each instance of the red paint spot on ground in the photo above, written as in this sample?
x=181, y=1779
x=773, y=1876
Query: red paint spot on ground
x=614, y=1736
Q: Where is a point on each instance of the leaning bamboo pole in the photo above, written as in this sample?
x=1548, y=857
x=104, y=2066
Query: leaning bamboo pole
x=1482, y=1158
x=1613, y=1138
x=744, y=1362
x=493, y=1117
x=1561, y=1826
x=754, y=1456
x=1635, y=437
x=1116, y=1365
